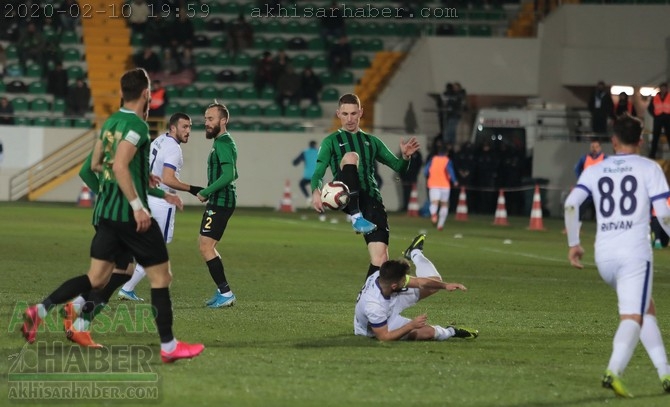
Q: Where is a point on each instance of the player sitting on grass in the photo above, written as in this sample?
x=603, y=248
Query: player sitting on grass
x=391, y=290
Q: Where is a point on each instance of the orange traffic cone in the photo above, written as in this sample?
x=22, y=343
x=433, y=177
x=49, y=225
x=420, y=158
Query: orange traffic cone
x=287, y=202
x=85, y=199
x=536, y=211
x=462, y=208
x=413, y=204
x=501, y=211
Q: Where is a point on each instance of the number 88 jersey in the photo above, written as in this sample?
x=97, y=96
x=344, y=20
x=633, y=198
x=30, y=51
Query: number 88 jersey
x=623, y=188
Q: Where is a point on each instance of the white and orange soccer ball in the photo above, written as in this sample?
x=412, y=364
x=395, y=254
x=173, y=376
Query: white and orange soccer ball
x=335, y=195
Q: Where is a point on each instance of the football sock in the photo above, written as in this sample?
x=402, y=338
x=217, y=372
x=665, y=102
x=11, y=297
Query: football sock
x=97, y=299
x=433, y=209
x=169, y=347
x=371, y=270
x=652, y=340
x=160, y=299
x=625, y=341
x=349, y=175
x=442, y=334
x=138, y=275
x=215, y=267
x=444, y=210
x=78, y=303
x=424, y=267
x=67, y=290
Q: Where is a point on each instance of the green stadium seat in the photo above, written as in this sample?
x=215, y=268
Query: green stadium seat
x=360, y=62
x=371, y=29
x=219, y=41
x=268, y=93
x=462, y=30
x=256, y=126
x=260, y=43
x=313, y=112
x=326, y=78
x=311, y=27
x=273, y=26
x=20, y=104
x=234, y=109
x=75, y=72
x=202, y=58
x=253, y=110
x=272, y=110
x=248, y=93
x=190, y=92
x=206, y=76
x=300, y=61
x=330, y=95
x=293, y=27
x=476, y=14
x=82, y=123
x=374, y=44
x=320, y=61
x=276, y=126
x=354, y=28
x=34, y=71
x=296, y=127
x=2, y=87
x=39, y=105
x=62, y=122
x=198, y=24
x=58, y=106
x=276, y=44
x=198, y=125
x=137, y=40
x=236, y=126
x=243, y=59
x=229, y=92
x=391, y=29
x=194, y=109
x=257, y=26
x=316, y=44
x=481, y=31
x=172, y=91
x=22, y=121
x=357, y=44
x=345, y=78
x=37, y=88
x=222, y=59
x=69, y=37
x=231, y=8
x=11, y=52
x=172, y=108
x=42, y=122
x=293, y=111
x=215, y=8
x=71, y=55
x=209, y=92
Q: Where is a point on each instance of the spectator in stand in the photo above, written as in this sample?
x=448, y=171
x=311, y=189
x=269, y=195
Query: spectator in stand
x=624, y=106
x=171, y=64
x=264, y=73
x=602, y=108
x=57, y=81
x=139, y=18
x=332, y=24
x=310, y=85
x=183, y=31
x=279, y=64
x=68, y=15
x=3, y=60
x=159, y=100
x=339, y=56
x=148, y=60
x=288, y=88
x=31, y=46
x=186, y=59
x=240, y=35
x=659, y=109
x=78, y=99
x=6, y=112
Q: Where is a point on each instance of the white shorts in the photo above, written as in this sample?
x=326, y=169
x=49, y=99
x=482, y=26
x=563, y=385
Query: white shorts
x=439, y=194
x=632, y=280
x=164, y=213
x=403, y=301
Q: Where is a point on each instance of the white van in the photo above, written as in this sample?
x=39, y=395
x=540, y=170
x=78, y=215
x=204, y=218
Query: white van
x=521, y=127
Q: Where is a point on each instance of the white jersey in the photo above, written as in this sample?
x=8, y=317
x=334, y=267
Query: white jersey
x=623, y=188
x=373, y=309
x=165, y=152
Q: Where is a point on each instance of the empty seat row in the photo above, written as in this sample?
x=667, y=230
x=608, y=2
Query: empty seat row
x=80, y=122
x=359, y=61
x=231, y=93
x=37, y=105
x=194, y=109
x=228, y=75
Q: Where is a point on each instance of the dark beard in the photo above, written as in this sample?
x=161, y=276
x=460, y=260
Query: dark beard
x=215, y=132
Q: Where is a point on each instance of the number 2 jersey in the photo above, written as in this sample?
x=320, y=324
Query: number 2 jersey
x=623, y=188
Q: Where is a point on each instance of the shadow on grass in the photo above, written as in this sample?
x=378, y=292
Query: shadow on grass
x=606, y=398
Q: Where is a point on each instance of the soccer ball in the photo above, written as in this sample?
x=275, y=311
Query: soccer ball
x=335, y=195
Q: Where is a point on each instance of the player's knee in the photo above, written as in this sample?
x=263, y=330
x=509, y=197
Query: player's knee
x=350, y=158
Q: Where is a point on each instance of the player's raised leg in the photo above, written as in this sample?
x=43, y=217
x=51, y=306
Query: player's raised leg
x=349, y=175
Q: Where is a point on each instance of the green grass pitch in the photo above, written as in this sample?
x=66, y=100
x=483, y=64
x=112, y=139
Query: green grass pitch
x=545, y=328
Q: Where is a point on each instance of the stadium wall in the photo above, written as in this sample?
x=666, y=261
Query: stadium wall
x=576, y=46
x=264, y=164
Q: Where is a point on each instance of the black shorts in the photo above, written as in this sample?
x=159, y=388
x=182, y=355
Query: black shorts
x=375, y=212
x=214, y=221
x=123, y=259
x=114, y=241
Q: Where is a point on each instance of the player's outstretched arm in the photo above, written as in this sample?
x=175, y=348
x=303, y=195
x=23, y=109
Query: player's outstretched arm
x=383, y=334
x=409, y=147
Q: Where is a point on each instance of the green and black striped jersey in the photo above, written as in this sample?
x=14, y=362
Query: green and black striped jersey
x=222, y=172
x=111, y=203
x=369, y=149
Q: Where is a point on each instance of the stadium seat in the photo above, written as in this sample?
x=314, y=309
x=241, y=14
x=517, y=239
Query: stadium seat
x=21, y=121
x=172, y=108
x=276, y=126
x=300, y=61
x=268, y=93
x=16, y=86
x=215, y=24
x=476, y=14
x=313, y=112
x=253, y=110
x=296, y=44
x=226, y=75
x=326, y=78
x=391, y=29
x=293, y=27
x=345, y=78
x=209, y=92
x=206, y=76
x=296, y=127
x=330, y=95
x=311, y=27
x=256, y=126
x=190, y=92
x=194, y=109
x=137, y=40
x=2, y=87
x=223, y=59
x=231, y=8
x=20, y=104
x=276, y=44
x=273, y=26
x=357, y=44
x=243, y=59
x=218, y=42
x=201, y=40
x=370, y=29
x=293, y=111
x=37, y=88
x=236, y=126
x=199, y=24
x=11, y=52
x=234, y=109
x=75, y=72
x=462, y=30
x=320, y=61
x=58, y=106
x=82, y=122
x=172, y=91
x=34, y=71
x=69, y=37
x=248, y=93
x=215, y=8
x=316, y=44
x=374, y=44
x=42, y=122
x=360, y=62
x=257, y=26
x=39, y=105
x=229, y=92
x=354, y=28
x=260, y=43
x=202, y=58
x=62, y=122
x=272, y=110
